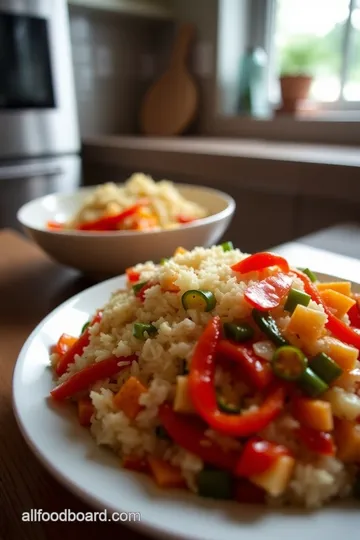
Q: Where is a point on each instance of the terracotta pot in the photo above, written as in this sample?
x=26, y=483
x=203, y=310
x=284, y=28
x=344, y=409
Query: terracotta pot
x=294, y=89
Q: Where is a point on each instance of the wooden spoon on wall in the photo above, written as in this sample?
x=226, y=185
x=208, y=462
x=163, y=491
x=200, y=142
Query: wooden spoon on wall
x=170, y=105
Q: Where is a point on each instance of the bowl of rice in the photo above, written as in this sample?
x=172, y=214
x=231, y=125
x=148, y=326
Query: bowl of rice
x=233, y=376
x=107, y=228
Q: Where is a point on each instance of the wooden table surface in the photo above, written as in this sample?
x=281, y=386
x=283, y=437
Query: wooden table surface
x=30, y=287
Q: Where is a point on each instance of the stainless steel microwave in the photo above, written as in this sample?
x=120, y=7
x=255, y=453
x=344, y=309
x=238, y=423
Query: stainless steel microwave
x=38, y=115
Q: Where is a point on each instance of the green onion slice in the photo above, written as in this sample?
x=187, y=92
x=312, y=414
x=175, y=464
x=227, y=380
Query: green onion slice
x=289, y=363
x=198, y=299
x=140, y=330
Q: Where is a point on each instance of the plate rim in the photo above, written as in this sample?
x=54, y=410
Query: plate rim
x=149, y=528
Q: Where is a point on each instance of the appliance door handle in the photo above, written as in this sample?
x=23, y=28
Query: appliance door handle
x=18, y=171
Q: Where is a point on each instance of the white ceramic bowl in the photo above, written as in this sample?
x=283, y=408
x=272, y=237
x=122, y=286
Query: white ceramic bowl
x=109, y=253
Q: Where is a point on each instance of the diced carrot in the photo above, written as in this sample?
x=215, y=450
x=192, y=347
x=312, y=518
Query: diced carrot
x=168, y=284
x=343, y=354
x=180, y=251
x=338, y=302
x=343, y=287
x=127, y=398
x=347, y=436
x=307, y=323
x=132, y=275
x=64, y=343
x=135, y=463
x=313, y=413
x=165, y=474
x=85, y=411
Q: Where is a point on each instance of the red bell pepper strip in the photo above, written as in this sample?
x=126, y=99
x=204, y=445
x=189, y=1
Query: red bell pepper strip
x=256, y=371
x=258, y=456
x=81, y=380
x=110, y=223
x=317, y=441
x=259, y=261
x=354, y=313
x=337, y=327
x=76, y=348
x=65, y=342
x=246, y=492
x=132, y=275
x=188, y=433
x=141, y=294
x=269, y=292
x=55, y=225
x=184, y=219
x=203, y=394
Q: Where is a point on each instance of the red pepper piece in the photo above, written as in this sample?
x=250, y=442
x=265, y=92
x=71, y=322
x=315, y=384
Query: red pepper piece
x=245, y=492
x=259, y=261
x=132, y=275
x=110, y=223
x=256, y=371
x=338, y=328
x=184, y=219
x=76, y=348
x=65, y=342
x=268, y=293
x=141, y=294
x=203, y=395
x=354, y=313
x=258, y=456
x=188, y=433
x=55, y=225
x=317, y=441
x=81, y=380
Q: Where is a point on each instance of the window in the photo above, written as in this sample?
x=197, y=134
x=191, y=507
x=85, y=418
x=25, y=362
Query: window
x=320, y=38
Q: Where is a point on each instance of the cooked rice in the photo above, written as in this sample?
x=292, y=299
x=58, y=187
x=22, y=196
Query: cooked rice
x=315, y=480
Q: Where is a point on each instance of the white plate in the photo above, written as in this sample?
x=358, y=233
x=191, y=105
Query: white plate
x=70, y=454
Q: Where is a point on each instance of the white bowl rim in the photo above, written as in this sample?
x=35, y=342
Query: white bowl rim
x=223, y=214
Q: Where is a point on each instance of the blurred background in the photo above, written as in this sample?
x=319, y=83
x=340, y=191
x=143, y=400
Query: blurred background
x=260, y=98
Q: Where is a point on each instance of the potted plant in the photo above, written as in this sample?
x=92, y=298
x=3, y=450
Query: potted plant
x=297, y=62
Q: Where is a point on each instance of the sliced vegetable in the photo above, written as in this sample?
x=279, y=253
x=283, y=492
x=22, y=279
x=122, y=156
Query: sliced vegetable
x=344, y=404
x=127, y=398
x=344, y=355
x=311, y=384
x=77, y=348
x=307, y=323
x=247, y=493
x=343, y=287
x=144, y=331
x=132, y=275
x=269, y=292
x=163, y=261
x=317, y=441
x=309, y=273
x=354, y=315
x=162, y=434
x=256, y=371
x=238, y=332
x=347, y=437
x=276, y=479
x=65, y=342
x=182, y=401
x=198, y=299
x=141, y=293
x=85, y=327
x=85, y=411
x=110, y=223
x=81, y=380
x=325, y=368
x=337, y=302
x=215, y=484
x=338, y=328
x=258, y=456
x=165, y=474
x=138, y=286
x=259, y=261
x=289, y=363
x=267, y=324
x=227, y=246
x=296, y=297
x=313, y=413
x=188, y=433
x=135, y=463
x=229, y=408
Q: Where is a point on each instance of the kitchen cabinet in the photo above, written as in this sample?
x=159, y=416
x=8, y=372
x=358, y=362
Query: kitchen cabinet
x=157, y=9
